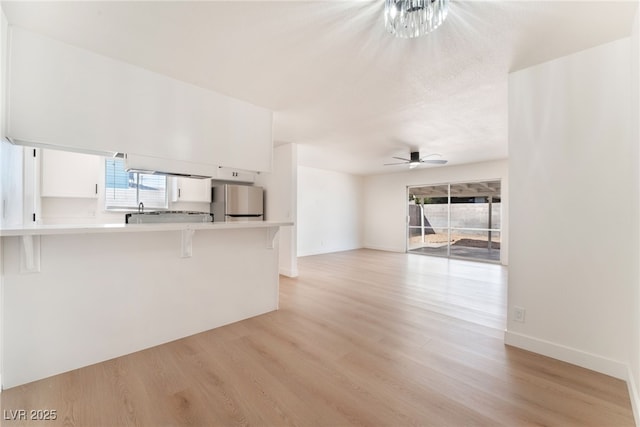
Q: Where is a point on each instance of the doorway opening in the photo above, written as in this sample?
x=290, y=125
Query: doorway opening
x=461, y=220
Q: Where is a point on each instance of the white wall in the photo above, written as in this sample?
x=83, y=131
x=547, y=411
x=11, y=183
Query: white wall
x=4, y=32
x=570, y=142
x=11, y=167
x=634, y=356
x=385, y=201
x=281, y=203
x=4, y=49
x=330, y=211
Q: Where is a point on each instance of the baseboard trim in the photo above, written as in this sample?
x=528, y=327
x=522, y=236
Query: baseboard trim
x=633, y=395
x=571, y=355
x=384, y=248
x=288, y=272
x=327, y=251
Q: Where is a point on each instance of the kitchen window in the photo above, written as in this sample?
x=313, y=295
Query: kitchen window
x=126, y=190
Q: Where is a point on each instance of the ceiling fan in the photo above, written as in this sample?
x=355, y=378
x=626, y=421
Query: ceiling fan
x=416, y=160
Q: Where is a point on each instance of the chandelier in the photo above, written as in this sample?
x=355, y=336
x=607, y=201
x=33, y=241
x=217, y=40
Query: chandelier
x=413, y=18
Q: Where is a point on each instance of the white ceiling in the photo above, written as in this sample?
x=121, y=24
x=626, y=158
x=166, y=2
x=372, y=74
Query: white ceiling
x=349, y=93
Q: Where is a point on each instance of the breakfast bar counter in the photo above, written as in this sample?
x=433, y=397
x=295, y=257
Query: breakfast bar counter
x=132, y=228
x=81, y=294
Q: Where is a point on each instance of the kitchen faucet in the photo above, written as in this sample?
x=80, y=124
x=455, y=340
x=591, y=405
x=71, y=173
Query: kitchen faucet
x=141, y=208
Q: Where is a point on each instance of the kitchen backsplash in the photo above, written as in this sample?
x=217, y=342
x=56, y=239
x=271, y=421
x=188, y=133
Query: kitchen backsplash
x=60, y=210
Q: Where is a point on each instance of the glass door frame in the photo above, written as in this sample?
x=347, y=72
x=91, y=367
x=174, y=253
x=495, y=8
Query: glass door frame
x=490, y=230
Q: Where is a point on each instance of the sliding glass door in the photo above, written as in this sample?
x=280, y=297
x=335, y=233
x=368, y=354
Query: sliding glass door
x=459, y=220
x=429, y=220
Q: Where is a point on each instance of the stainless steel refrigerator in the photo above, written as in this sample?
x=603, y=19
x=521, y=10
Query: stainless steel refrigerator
x=233, y=202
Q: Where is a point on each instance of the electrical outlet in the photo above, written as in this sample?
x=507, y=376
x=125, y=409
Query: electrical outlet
x=518, y=314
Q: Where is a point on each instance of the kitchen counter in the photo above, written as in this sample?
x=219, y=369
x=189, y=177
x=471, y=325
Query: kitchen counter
x=81, y=294
x=42, y=230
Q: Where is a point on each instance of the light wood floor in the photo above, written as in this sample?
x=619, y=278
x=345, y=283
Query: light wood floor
x=362, y=338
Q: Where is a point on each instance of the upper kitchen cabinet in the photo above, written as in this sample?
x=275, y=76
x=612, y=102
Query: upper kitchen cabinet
x=69, y=97
x=191, y=190
x=66, y=174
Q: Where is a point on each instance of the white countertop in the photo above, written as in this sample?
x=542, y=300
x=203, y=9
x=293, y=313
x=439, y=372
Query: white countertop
x=41, y=230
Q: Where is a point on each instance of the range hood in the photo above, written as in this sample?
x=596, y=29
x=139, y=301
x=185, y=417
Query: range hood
x=162, y=166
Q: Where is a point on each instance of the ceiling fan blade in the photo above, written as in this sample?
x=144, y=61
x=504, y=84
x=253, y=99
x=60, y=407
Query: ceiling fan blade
x=401, y=158
x=434, y=162
x=390, y=164
x=430, y=155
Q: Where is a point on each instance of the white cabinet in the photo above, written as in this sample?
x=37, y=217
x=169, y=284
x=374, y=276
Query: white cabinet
x=70, y=97
x=191, y=190
x=237, y=175
x=66, y=174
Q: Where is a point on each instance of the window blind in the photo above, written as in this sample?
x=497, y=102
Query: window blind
x=128, y=189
